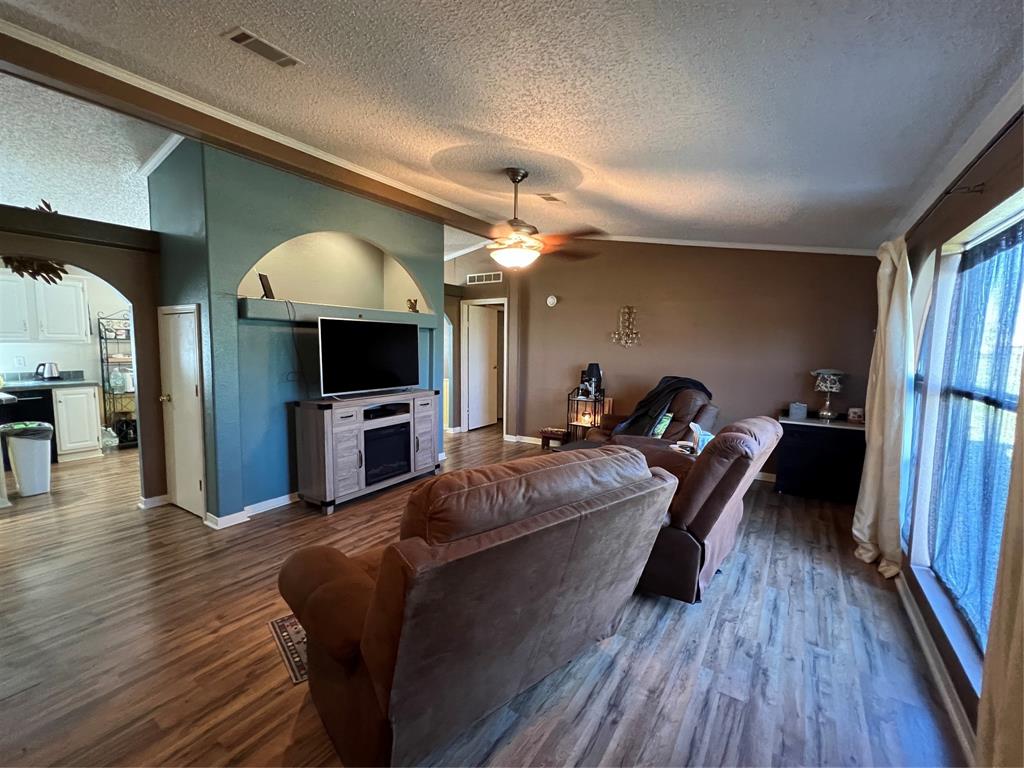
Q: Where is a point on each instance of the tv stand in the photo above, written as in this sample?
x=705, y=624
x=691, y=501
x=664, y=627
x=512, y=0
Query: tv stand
x=349, y=447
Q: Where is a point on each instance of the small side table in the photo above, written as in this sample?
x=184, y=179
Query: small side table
x=547, y=434
x=820, y=459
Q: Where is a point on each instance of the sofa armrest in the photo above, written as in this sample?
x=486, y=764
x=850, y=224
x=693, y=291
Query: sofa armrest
x=330, y=595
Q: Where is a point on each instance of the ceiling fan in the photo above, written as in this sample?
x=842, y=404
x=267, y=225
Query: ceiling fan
x=518, y=244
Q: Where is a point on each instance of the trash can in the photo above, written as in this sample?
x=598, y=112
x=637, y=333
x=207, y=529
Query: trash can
x=28, y=445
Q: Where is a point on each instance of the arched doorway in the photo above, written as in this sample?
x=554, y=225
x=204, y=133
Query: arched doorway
x=133, y=275
x=67, y=356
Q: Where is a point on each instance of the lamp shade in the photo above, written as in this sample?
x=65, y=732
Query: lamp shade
x=515, y=257
x=828, y=380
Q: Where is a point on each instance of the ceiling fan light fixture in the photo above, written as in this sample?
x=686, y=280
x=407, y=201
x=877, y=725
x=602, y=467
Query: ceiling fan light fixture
x=515, y=257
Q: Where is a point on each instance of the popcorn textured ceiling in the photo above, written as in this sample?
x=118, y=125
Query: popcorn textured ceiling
x=794, y=122
x=82, y=159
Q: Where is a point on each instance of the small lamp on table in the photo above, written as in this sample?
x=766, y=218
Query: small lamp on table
x=828, y=380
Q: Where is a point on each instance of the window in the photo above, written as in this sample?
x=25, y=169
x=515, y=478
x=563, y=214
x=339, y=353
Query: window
x=965, y=403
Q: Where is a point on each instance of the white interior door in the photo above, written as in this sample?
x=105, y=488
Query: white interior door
x=183, y=408
x=481, y=392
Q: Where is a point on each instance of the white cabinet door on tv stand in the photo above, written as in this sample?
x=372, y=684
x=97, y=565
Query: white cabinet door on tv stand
x=424, y=454
x=348, y=452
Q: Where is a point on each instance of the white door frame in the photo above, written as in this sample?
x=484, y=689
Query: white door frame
x=190, y=309
x=464, y=360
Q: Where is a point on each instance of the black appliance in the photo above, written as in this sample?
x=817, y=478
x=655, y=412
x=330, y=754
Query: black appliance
x=387, y=452
x=32, y=405
x=367, y=355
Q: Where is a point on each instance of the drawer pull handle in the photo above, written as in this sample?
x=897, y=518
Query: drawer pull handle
x=417, y=443
x=359, y=454
x=345, y=415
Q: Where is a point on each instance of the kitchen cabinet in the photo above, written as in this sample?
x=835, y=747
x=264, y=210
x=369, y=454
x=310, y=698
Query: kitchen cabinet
x=13, y=307
x=77, y=422
x=62, y=310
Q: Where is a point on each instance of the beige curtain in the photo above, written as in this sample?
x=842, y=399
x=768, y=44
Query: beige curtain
x=883, y=486
x=1001, y=710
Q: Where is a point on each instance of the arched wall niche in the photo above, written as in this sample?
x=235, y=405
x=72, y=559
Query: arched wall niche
x=334, y=268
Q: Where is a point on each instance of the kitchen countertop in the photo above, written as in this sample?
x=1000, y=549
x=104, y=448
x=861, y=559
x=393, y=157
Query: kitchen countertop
x=28, y=386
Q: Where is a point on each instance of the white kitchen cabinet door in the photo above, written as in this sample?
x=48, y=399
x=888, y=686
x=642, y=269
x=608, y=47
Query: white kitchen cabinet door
x=13, y=307
x=62, y=310
x=77, y=413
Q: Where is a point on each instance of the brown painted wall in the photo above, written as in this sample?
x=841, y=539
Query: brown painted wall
x=749, y=324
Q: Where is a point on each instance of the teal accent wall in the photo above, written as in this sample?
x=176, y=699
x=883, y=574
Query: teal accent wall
x=177, y=210
x=256, y=367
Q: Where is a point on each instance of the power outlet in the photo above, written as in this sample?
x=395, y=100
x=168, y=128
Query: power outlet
x=19, y=361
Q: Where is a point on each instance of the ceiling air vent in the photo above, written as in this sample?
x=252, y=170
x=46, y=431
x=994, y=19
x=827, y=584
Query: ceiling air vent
x=261, y=47
x=483, y=277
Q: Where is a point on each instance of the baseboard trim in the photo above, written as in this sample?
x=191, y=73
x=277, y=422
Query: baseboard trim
x=79, y=455
x=454, y=430
x=153, y=501
x=768, y=477
x=269, y=504
x=225, y=521
x=522, y=439
x=947, y=691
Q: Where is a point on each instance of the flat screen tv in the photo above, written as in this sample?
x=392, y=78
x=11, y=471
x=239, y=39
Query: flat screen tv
x=365, y=355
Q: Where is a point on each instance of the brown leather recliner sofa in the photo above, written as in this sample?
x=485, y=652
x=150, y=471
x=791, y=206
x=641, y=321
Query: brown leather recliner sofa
x=703, y=519
x=502, y=574
x=689, y=405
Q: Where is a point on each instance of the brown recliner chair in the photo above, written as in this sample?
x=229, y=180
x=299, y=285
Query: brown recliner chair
x=501, y=576
x=700, y=528
x=689, y=405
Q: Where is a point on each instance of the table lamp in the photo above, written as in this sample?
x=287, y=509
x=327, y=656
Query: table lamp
x=827, y=380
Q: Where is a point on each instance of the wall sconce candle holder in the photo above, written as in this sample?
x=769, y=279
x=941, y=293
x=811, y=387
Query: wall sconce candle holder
x=627, y=334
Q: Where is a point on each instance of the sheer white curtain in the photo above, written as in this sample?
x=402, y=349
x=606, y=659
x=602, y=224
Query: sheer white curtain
x=884, y=483
x=1001, y=710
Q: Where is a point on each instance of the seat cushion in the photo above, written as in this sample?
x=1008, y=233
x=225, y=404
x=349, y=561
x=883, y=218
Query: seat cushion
x=459, y=504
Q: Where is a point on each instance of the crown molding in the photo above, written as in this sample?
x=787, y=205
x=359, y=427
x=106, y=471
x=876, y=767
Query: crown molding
x=994, y=122
x=824, y=250
x=39, y=60
x=34, y=60
x=160, y=154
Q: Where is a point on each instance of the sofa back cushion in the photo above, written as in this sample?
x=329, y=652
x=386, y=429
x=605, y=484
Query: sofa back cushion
x=459, y=504
x=723, y=472
x=684, y=408
x=476, y=608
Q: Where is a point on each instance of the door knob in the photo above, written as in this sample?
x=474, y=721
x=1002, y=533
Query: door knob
x=165, y=398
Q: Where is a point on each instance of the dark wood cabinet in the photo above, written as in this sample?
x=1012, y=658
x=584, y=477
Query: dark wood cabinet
x=820, y=460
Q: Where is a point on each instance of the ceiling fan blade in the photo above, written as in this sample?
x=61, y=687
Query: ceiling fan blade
x=555, y=240
x=571, y=254
x=500, y=230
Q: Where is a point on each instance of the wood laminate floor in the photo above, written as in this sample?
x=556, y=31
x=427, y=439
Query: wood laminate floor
x=140, y=638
